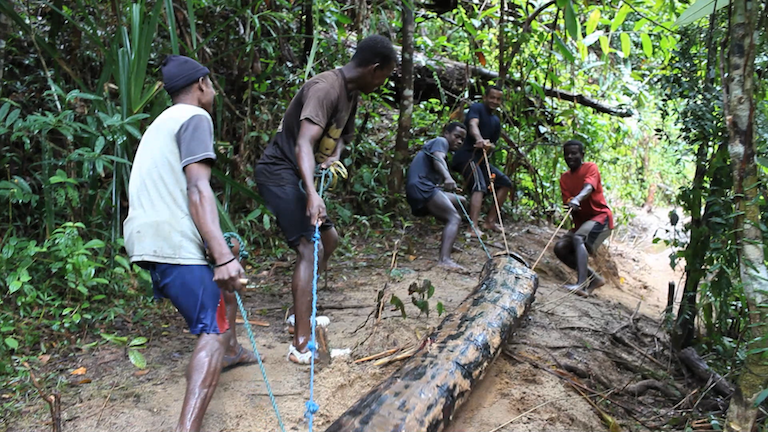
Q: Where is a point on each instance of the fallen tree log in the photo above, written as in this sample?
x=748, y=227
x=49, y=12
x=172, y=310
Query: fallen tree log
x=425, y=392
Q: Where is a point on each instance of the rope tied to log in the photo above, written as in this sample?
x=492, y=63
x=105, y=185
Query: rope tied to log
x=242, y=253
x=311, y=405
x=495, y=200
x=477, y=233
x=570, y=209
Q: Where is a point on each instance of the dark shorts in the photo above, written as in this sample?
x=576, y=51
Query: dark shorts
x=418, y=194
x=289, y=205
x=476, y=177
x=593, y=233
x=193, y=292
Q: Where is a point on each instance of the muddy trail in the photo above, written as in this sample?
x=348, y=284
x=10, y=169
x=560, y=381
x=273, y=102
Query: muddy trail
x=586, y=364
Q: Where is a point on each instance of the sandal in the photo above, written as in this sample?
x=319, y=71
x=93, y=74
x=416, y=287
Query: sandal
x=230, y=362
x=322, y=321
x=301, y=358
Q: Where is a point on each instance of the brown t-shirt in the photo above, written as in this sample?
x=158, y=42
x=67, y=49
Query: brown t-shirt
x=323, y=100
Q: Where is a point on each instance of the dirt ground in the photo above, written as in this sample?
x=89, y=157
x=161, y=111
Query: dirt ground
x=599, y=346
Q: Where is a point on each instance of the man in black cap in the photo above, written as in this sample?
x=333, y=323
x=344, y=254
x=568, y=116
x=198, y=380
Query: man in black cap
x=173, y=217
x=318, y=123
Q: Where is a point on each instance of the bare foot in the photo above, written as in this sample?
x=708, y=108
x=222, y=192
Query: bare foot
x=578, y=289
x=597, y=282
x=451, y=266
x=472, y=233
x=237, y=356
x=492, y=227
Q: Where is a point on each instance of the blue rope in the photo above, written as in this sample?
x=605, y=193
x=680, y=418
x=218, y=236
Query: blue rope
x=258, y=357
x=242, y=255
x=312, y=406
x=477, y=233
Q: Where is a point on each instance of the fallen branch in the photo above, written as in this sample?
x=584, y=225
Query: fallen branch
x=623, y=341
x=640, y=388
x=53, y=399
x=377, y=355
x=252, y=321
x=699, y=367
x=454, y=76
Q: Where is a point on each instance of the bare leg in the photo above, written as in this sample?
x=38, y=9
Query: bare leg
x=330, y=239
x=202, y=377
x=475, y=203
x=302, y=292
x=234, y=356
x=492, y=221
x=441, y=207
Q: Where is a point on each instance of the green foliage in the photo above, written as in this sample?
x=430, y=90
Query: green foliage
x=133, y=348
x=60, y=286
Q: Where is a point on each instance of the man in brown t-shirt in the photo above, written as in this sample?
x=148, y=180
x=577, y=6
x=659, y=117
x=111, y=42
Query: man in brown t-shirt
x=318, y=123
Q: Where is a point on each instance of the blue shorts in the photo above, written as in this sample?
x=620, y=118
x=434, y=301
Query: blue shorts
x=194, y=293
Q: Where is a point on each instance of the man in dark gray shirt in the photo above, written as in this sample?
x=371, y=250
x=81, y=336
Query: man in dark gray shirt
x=424, y=192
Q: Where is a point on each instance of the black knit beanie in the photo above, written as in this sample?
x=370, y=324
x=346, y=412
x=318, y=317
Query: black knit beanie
x=179, y=72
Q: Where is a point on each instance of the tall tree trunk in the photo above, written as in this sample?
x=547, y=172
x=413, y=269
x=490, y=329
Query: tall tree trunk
x=406, y=99
x=502, y=45
x=309, y=30
x=742, y=412
x=5, y=26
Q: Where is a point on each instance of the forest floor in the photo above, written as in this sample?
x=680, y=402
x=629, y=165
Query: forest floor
x=608, y=347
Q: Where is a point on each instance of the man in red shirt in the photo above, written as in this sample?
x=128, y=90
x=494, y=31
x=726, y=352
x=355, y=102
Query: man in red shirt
x=582, y=191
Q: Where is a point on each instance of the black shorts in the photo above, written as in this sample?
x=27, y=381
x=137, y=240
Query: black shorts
x=476, y=177
x=593, y=234
x=289, y=205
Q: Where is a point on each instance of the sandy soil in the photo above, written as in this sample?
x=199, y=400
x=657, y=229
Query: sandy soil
x=559, y=326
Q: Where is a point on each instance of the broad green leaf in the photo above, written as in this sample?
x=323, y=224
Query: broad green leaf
x=592, y=21
x=14, y=286
x=141, y=340
x=95, y=243
x=621, y=15
x=440, y=308
x=583, y=53
x=171, y=17
x=647, y=45
x=605, y=46
x=700, y=9
x=561, y=3
x=192, y=22
x=760, y=398
x=80, y=95
x=4, y=110
x=640, y=23
x=762, y=161
x=12, y=117
x=626, y=45
x=563, y=48
x=137, y=358
x=12, y=343
x=593, y=37
x=123, y=262
x=571, y=23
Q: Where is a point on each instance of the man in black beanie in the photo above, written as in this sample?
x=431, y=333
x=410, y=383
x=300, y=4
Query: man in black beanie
x=172, y=217
x=318, y=123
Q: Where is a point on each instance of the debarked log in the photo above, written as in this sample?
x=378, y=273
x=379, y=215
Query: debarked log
x=428, y=388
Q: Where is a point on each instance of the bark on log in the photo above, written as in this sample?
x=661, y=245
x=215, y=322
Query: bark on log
x=699, y=367
x=425, y=392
